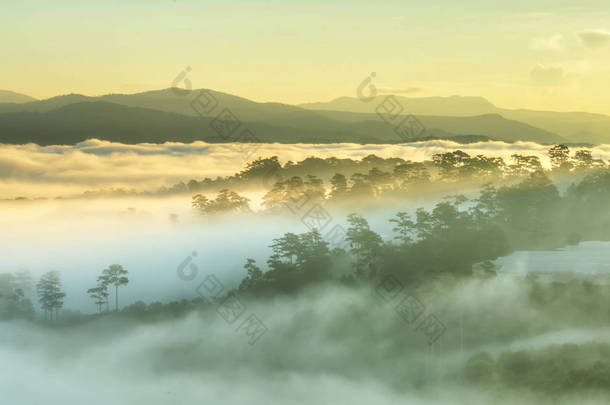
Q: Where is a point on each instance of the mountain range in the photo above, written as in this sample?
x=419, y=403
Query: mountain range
x=575, y=127
x=167, y=115
x=7, y=96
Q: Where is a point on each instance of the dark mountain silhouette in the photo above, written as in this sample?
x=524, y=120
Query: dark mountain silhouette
x=168, y=116
x=573, y=126
x=489, y=125
x=113, y=122
x=168, y=100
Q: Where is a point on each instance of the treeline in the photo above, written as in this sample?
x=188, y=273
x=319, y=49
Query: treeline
x=116, y=276
x=555, y=369
x=304, y=180
x=455, y=237
x=16, y=291
x=443, y=167
x=449, y=239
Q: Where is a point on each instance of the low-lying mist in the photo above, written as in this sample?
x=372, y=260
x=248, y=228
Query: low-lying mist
x=49, y=171
x=150, y=237
x=497, y=295
x=328, y=344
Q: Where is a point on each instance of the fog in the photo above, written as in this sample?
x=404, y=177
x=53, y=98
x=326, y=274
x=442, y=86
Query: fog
x=331, y=341
x=80, y=238
x=585, y=260
x=329, y=344
x=50, y=171
x=151, y=237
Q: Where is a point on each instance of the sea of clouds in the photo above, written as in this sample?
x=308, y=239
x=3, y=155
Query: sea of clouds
x=49, y=171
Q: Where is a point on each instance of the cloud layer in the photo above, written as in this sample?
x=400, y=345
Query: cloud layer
x=330, y=345
x=33, y=171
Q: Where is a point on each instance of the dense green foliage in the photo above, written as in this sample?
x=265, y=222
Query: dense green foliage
x=554, y=369
x=443, y=254
x=14, y=300
x=453, y=236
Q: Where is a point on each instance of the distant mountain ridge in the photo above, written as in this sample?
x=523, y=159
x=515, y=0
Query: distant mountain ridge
x=450, y=106
x=118, y=123
x=7, y=96
x=275, y=122
x=168, y=100
x=573, y=126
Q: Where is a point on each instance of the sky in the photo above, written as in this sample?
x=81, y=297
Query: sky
x=537, y=54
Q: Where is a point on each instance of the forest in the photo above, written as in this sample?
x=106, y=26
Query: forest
x=440, y=255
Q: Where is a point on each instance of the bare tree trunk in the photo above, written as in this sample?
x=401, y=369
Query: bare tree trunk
x=116, y=297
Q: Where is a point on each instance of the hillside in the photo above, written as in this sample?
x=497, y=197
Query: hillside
x=7, y=96
x=113, y=122
x=168, y=100
x=450, y=106
x=60, y=120
x=573, y=126
x=489, y=125
x=110, y=121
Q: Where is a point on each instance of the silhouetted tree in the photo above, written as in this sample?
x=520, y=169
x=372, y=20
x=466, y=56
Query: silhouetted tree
x=526, y=210
x=365, y=246
x=253, y=282
x=226, y=201
x=294, y=193
x=50, y=295
x=404, y=227
x=560, y=157
x=361, y=186
x=115, y=275
x=13, y=302
x=260, y=169
x=379, y=180
x=486, y=205
x=452, y=164
x=338, y=185
x=583, y=159
x=524, y=165
x=296, y=261
x=100, y=293
x=486, y=166
x=410, y=172
x=23, y=281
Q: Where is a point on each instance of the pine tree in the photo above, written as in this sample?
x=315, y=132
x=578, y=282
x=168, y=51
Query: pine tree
x=115, y=275
x=100, y=293
x=50, y=295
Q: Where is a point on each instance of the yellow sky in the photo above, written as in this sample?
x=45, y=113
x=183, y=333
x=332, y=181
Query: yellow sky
x=532, y=54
